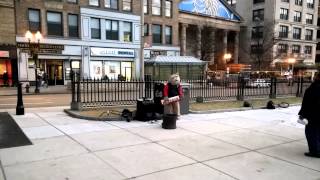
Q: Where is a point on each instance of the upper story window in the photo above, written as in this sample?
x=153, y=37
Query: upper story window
x=283, y=31
x=232, y=2
x=146, y=29
x=298, y=2
x=284, y=13
x=54, y=23
x=296, y=49
x=297, y=16
x=309, y=18
x=257, y=1
x=112, y=30
x=168, y=12
x=112, y=4
x=94, y=2
x=156, y=34
x=73, y=25
x=285, y=1
x=95, y=28
x=34, y=20
x=308, y=49
x=309, y=35
x=72, y=1
x=127, y=5
x=156, y=7
x=296, y=33
x=145, y=6
x=127, y=31
x=168, y=32
x=258, y=15
x=282, y=48
x=310, y=4
x=257, y=32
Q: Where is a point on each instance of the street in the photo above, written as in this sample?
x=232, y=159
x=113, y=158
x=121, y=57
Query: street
x=39, y=100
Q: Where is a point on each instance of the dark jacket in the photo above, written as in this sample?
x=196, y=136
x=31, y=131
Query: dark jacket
x=310, y=108
x=172, y=90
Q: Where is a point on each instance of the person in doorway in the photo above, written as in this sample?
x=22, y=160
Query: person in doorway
x=5, y=78
x=310, y=111
x=172, y=95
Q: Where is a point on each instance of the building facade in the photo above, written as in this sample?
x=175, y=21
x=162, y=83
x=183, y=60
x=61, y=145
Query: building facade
x=99, y=37
x=8, y=52
x=276, y=34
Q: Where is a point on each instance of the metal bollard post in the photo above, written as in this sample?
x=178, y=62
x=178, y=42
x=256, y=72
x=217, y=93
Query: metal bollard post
x=20, y=107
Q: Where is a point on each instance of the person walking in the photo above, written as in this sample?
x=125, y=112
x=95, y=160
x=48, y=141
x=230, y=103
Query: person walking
x=5, y=78
x=310, y=111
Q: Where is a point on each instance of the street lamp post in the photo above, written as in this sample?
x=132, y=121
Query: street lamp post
x=34, y=49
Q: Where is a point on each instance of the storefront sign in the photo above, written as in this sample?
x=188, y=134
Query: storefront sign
x=45, y=51
x=41, y=46
x=4, y=54
x=158, y=53
x=111, y=52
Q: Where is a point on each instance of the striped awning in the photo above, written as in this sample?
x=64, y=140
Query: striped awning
x=179, y=60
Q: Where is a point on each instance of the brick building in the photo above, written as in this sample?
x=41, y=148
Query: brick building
x=8, y=55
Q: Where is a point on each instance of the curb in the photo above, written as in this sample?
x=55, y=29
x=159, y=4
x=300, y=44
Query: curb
x=233, y=110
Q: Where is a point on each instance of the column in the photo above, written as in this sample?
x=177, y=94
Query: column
x=212, y=38
x=183, y=39
x=198, y=40
x=236, y=48
x=225, y=41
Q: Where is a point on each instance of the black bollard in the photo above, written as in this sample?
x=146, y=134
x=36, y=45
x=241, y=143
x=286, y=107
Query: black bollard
x=20, y=107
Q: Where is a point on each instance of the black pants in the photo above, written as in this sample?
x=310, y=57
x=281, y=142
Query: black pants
x=313, y=138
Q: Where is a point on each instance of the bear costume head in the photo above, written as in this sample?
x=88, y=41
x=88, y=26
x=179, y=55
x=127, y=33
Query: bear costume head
x=175, y=79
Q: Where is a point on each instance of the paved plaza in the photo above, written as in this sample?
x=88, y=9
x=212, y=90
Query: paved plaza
x=246, y=145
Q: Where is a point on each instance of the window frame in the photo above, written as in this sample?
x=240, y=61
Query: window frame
x=39, y=15
x=158, y=7
x=71, y=14
x=166, y=8
x=283, y=34
x=126, y=1
x=99, y=20
x=309, y=37
x=295, y=18
x=259, y=15
x=61, y=18
x=111, y=31
x=94, y=5
x=131, y=31
x=294, y=34
x=111, y=4
x=166, y=36
x=296, y=51
x=284, y=13
x=160, y=35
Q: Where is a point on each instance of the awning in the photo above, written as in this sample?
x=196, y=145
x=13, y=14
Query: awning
x=178, y=60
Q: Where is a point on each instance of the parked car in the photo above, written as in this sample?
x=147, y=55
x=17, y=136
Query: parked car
x=258, y=83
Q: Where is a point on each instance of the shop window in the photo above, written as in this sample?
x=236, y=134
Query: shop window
x=127, y=31
x=34, y=20
x=112, y=30
x=95, y=28
x=54, y=23
x=111, y=69
x=126, y=70
x=73, y=25
x=156, y=34
x=96, y=69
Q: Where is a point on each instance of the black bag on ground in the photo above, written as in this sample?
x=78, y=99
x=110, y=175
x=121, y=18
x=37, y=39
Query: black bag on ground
x=270, y=105
x=127, y=115
x=169, y=121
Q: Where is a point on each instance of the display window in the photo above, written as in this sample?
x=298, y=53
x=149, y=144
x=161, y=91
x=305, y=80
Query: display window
x=111, y=70
x=5, y=72
x=96, y=69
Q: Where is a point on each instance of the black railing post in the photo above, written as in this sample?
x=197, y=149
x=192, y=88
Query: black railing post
x=76, y=93
x=241, y=86
x=273, y=88
x=300, y=87
x=20, y=107
x=73, y=88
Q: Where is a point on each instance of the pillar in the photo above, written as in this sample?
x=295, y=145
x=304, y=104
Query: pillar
x=183, y=43
x=225, y=41
x=198, y=41
x=236, y=48
x=212, y=39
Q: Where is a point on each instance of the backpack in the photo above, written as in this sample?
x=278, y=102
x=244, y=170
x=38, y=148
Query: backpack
x=270, y=105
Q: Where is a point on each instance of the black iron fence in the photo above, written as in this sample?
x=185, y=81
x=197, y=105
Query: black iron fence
x=88, y=93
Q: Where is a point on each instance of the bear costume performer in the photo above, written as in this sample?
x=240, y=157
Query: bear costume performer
x=172, y=95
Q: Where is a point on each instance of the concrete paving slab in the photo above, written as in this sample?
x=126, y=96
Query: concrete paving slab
x=191, y=172
x=143, y=159
x=134, y=124
x=283, y=131
x=1, y=175
x=253, y=166
x=203, y=117
x=202, y=148
x=241, y=122
x=207, y=127
x=65, y=120
x=28, y=122
x=40, y=150
x=293, y=152
x=108, y=139
x=51, y=114
x=41, y=132
x=79, y=128
x=250, y=139
x=81, y=167
x=156, y=133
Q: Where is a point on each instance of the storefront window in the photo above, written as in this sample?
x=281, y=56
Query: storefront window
x=112, y=69
x=5, y=72
x=126, y=70
x=96, y=69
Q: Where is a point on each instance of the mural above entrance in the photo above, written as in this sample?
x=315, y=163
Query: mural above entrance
x=214, y=8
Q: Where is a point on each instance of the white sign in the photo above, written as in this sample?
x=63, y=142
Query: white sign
x=111, y=52
x=4, y=54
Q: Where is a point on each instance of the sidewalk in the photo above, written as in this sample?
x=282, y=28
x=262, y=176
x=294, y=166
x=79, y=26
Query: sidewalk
x=59, y=89
x=246, y=145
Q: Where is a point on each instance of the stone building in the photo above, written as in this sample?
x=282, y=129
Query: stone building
x=101, y=37
x=278, y=34
x=8, y=55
